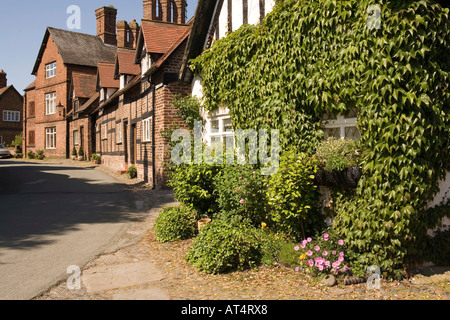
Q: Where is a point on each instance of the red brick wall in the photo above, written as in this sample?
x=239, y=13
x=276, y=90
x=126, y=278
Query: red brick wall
x=13, y=101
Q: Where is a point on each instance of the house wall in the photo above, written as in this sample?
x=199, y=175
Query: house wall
x=84, y=136
x=13, y=101
x=29, y=122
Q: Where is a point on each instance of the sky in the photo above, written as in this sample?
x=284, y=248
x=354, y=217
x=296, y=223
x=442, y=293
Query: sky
x=23, y=24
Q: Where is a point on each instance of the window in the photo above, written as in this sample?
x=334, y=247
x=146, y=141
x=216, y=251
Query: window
x=119, y=138
x=104, y=131
x=50, y=70
x=50, y=103
x=341, y=126
x=11, y=116
x=75, y=105
x=76, y=138
x=50, y=138
x=220, y=126
x=31, y=138
x=147, y=130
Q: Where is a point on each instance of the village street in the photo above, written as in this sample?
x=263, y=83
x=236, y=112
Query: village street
x=52, y=217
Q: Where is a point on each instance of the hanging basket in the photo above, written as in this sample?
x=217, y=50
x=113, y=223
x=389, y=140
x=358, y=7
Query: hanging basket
x=345, y=179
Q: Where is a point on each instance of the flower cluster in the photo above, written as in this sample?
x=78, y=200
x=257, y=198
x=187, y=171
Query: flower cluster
x=323, y=255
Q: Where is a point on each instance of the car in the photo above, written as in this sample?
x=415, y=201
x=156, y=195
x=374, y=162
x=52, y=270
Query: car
x=4, y=152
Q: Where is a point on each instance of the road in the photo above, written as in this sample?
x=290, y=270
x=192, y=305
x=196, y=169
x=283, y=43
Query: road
x=51, y=217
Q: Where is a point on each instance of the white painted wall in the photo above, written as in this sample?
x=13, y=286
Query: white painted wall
x=253, y=11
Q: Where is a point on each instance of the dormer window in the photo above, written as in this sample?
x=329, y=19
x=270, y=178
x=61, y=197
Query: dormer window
x=75, y=105
x=50, y=70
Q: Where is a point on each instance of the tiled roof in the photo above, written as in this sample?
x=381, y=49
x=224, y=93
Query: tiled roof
x=77, y=48
x=125, y=62
x=159, y=36
x=106, y=75
x=84, y=85
x=30, y=86
x=3, y=90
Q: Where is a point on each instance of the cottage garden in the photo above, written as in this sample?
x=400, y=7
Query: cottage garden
x=306, y=59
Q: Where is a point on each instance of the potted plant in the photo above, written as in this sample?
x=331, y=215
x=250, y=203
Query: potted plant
x=132, y=172
x=96, y=159
x=80, y=154
x=338, y=164
x=203, y=222
x=74, y=153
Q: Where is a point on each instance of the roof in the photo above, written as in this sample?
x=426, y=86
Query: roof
x=31, y=86
x=5, y=89
x=159, y=36
x=125, y=62
x=106, y=75
x=206, y=12
x=90, y=102
x=69, y=44
x=83, y=84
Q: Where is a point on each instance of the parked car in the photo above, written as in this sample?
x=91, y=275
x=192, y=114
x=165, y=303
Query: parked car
x=4, y=152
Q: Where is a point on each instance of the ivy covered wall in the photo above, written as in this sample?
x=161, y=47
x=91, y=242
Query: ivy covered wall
x=312, y=57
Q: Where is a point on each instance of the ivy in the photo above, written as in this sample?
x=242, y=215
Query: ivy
x=312, y=57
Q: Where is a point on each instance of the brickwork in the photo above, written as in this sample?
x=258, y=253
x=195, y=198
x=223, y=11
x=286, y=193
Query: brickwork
x=10, y=100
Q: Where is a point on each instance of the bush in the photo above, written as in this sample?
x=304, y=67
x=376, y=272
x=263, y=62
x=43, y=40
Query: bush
x=176, y=223
x=337, y=154
x=81, y=152
x=193, y=186
x=74, y=152
x=95, y=157
x=132, y=172
x=31, y=155
x=228, y=243
x=40, y=155
x=241, y=190
x=293, y=196
x=18, y=155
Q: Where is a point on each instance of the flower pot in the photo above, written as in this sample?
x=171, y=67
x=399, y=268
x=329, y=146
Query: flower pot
x=97, y=161
x=202, y=223
x=345, y=179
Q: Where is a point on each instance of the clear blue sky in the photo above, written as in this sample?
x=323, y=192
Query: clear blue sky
x=23, y=24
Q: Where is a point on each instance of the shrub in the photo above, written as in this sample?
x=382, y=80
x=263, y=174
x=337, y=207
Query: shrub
x=74, y=152
x=95, y=157
x=228, y=243
x=132, y=172
x=193, y=186
x=18, y=155
x=31, y=155
x=81, y=152
x=293, y=196
x=176, y=223
x=337, y=154
x=241, y=190
x=40, y=155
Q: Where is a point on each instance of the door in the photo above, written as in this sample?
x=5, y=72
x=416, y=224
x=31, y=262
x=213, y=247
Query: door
x=125, y=139
x=133, y=144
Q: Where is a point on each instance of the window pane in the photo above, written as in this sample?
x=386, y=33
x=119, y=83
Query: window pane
x=352, y=133
x=352, y=113
x=227, y=125
x=332, y=132
x=329, y=116
x=214, y=126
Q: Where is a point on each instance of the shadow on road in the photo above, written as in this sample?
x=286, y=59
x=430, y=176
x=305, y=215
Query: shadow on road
x=41, y=201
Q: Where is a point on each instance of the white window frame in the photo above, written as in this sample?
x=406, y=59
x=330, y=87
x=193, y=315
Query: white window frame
x=105, y=131
x=50, y=138
x=76, y=137
x=11, y=116
x=340, y=122
x=119, y=136
x=50, y=103
x=147, y=130
x=50, y=70
x=222, y=115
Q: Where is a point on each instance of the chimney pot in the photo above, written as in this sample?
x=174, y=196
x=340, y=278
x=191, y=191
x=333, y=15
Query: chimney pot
x=106, y=24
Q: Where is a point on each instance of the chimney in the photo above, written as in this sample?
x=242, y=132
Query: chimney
x=122, y=34
x=106, y=24
x=3, y=81
x=173, y=11
x=133, y=33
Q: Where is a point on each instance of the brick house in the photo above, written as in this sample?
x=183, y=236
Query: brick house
x=49, y=99
x=11, y=102
x=130, y=120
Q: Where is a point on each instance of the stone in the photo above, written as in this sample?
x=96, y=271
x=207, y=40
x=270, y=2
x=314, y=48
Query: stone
x=329, y=281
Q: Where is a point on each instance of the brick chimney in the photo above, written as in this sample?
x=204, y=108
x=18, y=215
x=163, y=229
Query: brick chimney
x=122, y=34
x=173, y=11
x=3, y=81
x=106, y=24
x=133, y=33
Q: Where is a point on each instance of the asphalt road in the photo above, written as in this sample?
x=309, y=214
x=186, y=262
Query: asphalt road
x=52, y=217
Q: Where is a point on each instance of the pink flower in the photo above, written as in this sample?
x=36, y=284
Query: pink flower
x=296, y=248
x=341, y=242
x=341, y=254
x=345, y=268
x=303, y=245
x=311, y=262
x=241, y=201
x=327, y=263
x=333, y=252
x=337, y=263
x=325, y=237
x=309, y=253
x=309, y=239
x=325, y=253
x=341, y=258
x=297, y=269
x=317, y=248
x=320, y=267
